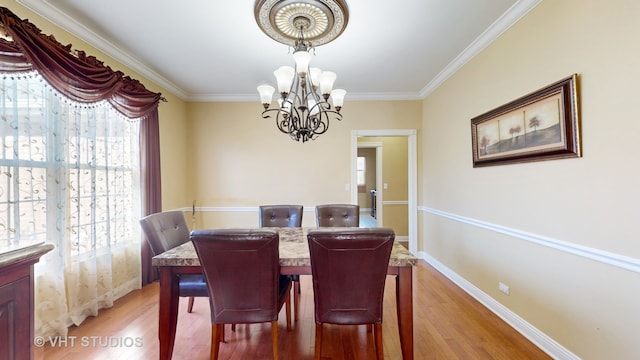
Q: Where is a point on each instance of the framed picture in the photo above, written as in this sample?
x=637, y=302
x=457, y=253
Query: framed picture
x=543, y=125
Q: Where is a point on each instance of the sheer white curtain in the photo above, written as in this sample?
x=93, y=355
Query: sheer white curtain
x=69, y=175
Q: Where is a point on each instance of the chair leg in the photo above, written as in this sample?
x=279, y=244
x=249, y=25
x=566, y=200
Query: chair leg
x=377, y=334
x=287, y=309
x=190, y=306
x=216, y=333
x=274, y=339
x=318, y=345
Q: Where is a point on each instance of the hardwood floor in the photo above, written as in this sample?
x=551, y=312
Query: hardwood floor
x=448, y=324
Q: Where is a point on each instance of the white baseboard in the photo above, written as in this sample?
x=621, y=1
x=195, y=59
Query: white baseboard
x=540, y=339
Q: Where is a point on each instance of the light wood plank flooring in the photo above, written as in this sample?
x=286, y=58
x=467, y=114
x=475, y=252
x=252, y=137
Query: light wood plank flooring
x=448, y=324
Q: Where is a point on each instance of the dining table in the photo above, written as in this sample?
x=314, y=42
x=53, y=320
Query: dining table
x=294, y=260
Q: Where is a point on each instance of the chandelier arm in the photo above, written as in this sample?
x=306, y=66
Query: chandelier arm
x=325, y=109
x=283, y=123
x=316, y=97
x=321, y=125
x=295, y=120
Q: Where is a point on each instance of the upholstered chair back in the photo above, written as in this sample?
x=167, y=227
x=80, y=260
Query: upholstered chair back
x=338, y=215
x=242, y=271
x=165, y=230
x=281, y=215
x=349, y=269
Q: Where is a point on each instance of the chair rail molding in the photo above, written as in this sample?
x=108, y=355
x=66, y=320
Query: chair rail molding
x=232, y=209
x=609, y=258
x=395, y=202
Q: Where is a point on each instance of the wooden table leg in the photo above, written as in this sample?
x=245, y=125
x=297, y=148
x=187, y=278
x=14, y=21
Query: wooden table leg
x=168, y=311
x=404, y=298
x=296, y=300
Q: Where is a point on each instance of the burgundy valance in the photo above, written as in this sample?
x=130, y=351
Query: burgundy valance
x=80, y=77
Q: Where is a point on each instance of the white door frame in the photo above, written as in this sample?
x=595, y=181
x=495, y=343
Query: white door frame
x=412, y=175
x=378, y=147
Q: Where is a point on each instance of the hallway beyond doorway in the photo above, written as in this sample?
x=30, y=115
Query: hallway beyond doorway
x=366, y=220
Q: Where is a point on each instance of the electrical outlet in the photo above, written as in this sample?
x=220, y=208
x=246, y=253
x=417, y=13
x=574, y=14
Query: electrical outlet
x=504, y=288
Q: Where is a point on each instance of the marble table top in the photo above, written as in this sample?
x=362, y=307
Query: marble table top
x=294, y=251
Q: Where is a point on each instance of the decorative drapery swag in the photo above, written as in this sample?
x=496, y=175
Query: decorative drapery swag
x=83, y=80
x=77, y=76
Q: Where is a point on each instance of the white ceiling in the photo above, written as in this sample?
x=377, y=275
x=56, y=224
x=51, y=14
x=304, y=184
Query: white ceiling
x=208, y=50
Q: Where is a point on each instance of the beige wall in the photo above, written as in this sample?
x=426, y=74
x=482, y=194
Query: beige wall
x=554, y=230
x=238, y=160
x=173, y=154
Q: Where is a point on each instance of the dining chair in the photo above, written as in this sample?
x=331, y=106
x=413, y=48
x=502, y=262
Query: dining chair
x=338, y=215
x=349, y=269
x=164, y=231
x=280, y=215
x=242, y=272
x=284, y=216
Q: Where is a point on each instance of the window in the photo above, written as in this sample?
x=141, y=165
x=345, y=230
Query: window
x=67, y=170
x=361, y=167
x=69, y=176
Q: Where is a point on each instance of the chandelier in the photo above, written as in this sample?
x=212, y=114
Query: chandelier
x=304, y=110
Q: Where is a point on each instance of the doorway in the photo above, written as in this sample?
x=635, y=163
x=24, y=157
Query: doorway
x=411, y=176
x=371, y=155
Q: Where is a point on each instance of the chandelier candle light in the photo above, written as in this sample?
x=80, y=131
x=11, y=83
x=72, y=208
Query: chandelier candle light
x=303, y=110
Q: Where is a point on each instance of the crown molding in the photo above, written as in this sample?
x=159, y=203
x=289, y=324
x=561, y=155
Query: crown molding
x=55, y=16
x=508, y=19
x=67, y=23
x=391, y=96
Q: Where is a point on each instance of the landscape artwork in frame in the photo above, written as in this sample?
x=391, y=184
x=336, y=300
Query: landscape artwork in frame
x=543, y=125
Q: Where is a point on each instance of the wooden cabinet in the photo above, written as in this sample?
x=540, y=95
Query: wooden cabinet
x=16, y=301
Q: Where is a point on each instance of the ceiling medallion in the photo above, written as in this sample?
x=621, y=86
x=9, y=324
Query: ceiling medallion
x=322, y=20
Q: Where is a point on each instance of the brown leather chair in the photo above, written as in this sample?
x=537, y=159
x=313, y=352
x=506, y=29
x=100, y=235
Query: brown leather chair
x=349, y=269
x=164, y=231
x=284, y=216
x=281, y=215
x=338, y=215
x=242, y=271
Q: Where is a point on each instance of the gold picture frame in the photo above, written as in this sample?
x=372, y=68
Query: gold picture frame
x=542, y=125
